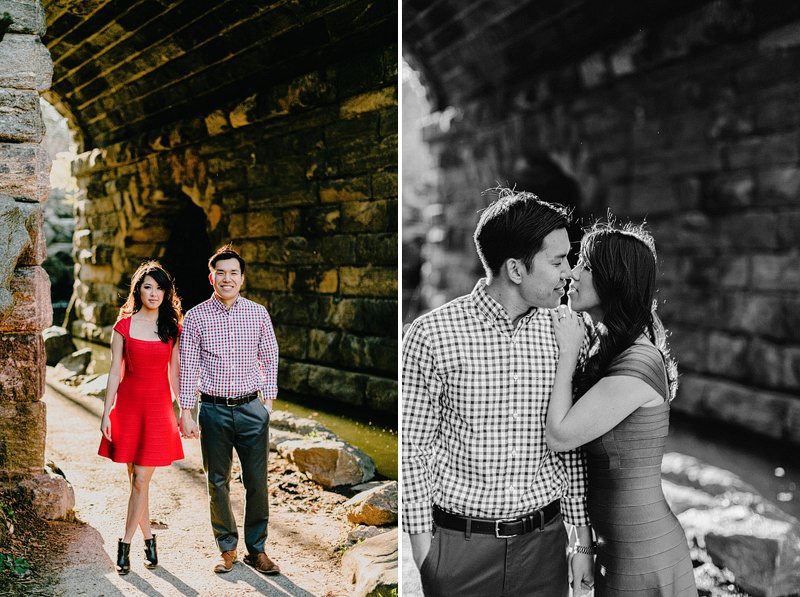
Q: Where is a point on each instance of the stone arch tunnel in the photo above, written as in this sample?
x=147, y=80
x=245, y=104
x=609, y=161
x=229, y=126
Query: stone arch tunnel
x=272, y=125
x=685, y=113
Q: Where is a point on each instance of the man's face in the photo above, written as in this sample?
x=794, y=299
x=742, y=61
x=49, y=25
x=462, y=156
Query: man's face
x=227, y=278
x=544, y=283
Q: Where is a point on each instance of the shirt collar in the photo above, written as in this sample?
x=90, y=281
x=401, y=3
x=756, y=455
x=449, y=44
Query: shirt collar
x=220, y=305
x=494, y=310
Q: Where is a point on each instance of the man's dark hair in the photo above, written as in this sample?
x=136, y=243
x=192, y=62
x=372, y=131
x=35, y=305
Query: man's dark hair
x=225, y=252
x=514, y=226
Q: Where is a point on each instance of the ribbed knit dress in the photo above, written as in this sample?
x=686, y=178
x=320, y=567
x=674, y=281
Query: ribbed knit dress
x=642, y=549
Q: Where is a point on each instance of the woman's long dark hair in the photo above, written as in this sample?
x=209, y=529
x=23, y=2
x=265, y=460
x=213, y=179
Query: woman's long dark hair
x=622, y=259
x=169, y=312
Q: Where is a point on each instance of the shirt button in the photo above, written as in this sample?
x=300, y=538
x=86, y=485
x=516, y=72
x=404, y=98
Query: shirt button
x=512, y=488
x=515, y=414
x=515, y=377
x=513, y=452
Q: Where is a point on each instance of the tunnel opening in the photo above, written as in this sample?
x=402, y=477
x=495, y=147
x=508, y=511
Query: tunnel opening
x=185, y=255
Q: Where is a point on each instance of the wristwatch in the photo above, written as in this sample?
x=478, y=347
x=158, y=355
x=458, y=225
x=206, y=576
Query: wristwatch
x=584, y=549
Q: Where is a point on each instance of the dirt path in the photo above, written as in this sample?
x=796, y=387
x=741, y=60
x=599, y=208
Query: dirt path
x=304, y=530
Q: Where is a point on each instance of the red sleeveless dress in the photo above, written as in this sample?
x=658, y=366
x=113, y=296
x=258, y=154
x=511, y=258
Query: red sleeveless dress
x=143, y=426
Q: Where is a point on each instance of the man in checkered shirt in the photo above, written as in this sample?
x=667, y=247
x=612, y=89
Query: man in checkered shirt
x=483, y=497
x=228, y=356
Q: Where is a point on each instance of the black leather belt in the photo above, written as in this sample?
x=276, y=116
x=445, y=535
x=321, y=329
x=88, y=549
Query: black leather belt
x=503, y=528
x=237, y=401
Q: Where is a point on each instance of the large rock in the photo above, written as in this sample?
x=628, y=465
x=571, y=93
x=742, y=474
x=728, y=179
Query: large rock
x=58, y=343
x=286, y=421
x=94, y=387
x=375, y=507
x=53, y=496
x=330, y=463
x=24, y=63
x=372, y=566
x=13, y=240
x=73, y=365
x=278, y=436
x=763, y=553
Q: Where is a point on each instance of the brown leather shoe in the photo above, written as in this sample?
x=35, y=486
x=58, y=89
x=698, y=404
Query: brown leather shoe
x=225, y=563
x=262, y=563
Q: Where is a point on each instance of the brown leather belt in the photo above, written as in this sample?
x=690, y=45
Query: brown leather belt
x=237, y=401
x=502, y=528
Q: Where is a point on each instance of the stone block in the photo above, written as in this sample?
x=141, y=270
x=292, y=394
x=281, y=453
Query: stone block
x=376, y=249
x=293, y=376
x=346, y=189
x=23, y=426
x=25, y=174
x=31, y=311
x=314, y=280
x=329, y=462
x=13, y=238
x=764, y=364
x=758, y=411
x=788, y=230
x=324, y=346
x=776, y=272
x=381, y=394
x=22, y=367
x=20, y=116
x=388, y=122
x=340, y=386
x=35, y=251
x=360, y=128
x=691, y=393
x=755, y=313
x=727, y=355
x=365, y=352
x=384, y=185
x=27, y=16
x=365, y=216
x=338, y=249
x=768, y=150
x=25, y=63
x=368, y=102
x=690, y=348
x=322, y=220
x=779, y=186
x=729, y=191
x=368, y=281
x=267, y=278
x=361, y=315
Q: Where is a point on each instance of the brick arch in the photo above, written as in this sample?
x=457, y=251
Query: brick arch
x=275, y=125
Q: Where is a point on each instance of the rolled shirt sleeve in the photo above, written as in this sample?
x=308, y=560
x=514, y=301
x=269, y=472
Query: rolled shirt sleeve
x=422, y=389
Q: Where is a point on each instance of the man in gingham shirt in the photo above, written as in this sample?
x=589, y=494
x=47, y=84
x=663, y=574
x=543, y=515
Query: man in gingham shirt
x=228, y=356
x=483, y=497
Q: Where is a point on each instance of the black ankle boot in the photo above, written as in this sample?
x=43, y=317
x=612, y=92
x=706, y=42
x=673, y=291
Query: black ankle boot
x=123, y=557
x=150, y=553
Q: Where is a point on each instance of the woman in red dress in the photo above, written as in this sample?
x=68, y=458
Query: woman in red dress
x=139, y=426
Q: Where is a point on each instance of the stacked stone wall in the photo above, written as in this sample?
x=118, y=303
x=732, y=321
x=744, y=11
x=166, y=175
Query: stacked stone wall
x=25, y=71
x=302, y=178
x=694, y=125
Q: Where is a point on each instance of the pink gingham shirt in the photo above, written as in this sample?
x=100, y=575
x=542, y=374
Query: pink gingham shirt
x=227, y=352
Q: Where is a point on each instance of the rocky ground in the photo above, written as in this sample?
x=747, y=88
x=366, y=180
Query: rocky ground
x=308, y=527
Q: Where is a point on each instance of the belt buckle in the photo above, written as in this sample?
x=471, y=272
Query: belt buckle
x=228, y=402
x=497, y=528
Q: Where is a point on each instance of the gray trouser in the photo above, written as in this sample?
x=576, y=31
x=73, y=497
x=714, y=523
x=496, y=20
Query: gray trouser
x=533, y=564
x=245, y=428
